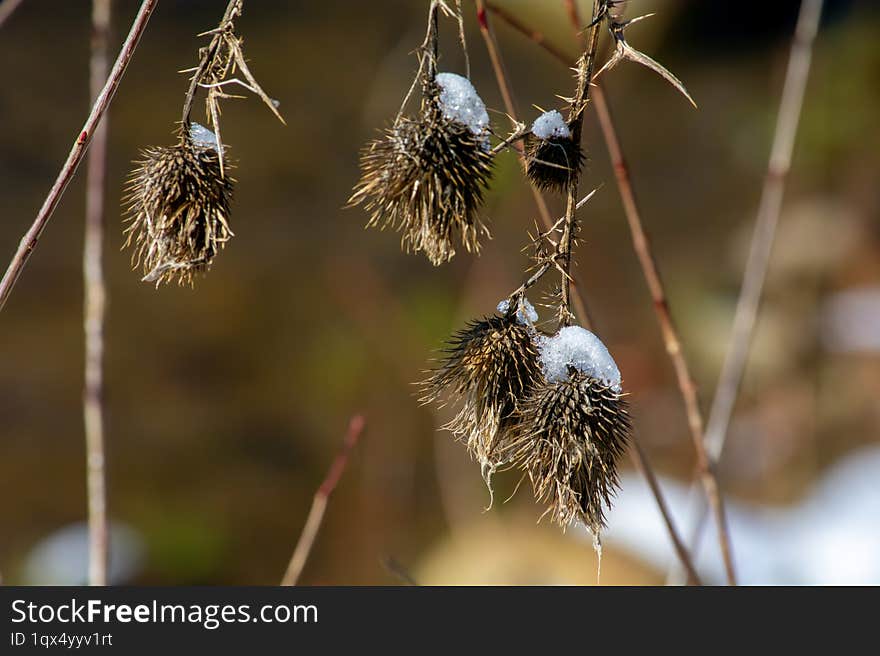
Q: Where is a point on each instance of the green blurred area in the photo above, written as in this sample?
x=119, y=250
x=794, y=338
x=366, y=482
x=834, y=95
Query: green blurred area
x=225, y=404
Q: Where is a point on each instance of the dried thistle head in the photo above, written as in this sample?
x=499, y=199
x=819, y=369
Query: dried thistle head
x=425, y=176
x=572, y=427
x=178, y=207
x=553, y=157
x=568, y=437
x=489, y=367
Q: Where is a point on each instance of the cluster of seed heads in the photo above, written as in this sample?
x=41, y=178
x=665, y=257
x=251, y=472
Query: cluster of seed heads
x=566, y=435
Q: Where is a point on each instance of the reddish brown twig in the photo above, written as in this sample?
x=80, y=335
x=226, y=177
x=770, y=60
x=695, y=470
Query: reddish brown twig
x=319, y=503
x=93, y=308
x=6, y=9
x=640, y=459
x=77, y=152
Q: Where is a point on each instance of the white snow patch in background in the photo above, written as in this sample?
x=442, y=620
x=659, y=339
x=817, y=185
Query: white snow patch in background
x=850, y=321
x=525, y=314
x=202, y=137
x=550, y=125
x=62, y=557
x=460, y=102
x=830, y=537
x=577, y=347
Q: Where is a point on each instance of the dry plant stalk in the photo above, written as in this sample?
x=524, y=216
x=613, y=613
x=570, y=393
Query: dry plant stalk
x=647, y=261
x=68, y=170
x=319, y=503
x=504, y=86
x=178, y=198
x=94, y=308
x=763, y=237
x=638, y=456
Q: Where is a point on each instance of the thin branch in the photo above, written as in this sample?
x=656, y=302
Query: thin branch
x=671, y=339
x=77, y=152
x=538, y=38
x=319, y=503
x=6, y=9
x=93, y=309
x=763, y=237
x=765, y=225
x=399, y=571
x=640, y=460
x=510, y=106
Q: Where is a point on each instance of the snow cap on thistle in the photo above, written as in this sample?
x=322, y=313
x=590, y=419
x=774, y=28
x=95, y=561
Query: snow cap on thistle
x=178, y=201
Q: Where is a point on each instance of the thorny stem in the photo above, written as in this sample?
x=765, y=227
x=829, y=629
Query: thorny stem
x=29, y=241
x=93, y=311
x=586, y=65
x=319, y=502
x=510, y=107
x=548, y=262
x=639, y=457
x=648, y=262
x=217, y=60
x=763, y=236
x=233, y=11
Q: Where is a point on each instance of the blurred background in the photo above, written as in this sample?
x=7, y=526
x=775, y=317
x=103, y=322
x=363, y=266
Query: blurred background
x=226, y=404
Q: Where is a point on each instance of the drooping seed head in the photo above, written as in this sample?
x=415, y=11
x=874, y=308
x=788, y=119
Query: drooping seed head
x=177, y=205
x=568, y=437
x=425, y=177
x=489, y=367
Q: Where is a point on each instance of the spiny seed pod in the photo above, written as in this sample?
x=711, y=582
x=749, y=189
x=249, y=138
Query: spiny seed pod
x=568, y=438
x=553, y=158
x=490, y=366
x=572, y=428
x=178, y=208
x=425, y=177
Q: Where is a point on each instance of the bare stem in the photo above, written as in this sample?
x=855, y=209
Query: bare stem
x=77, y=152
x=93, y=309
x=6, y=9
x=319, y=503
x=765, y=225
x=763, y=237
x=640, y=460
